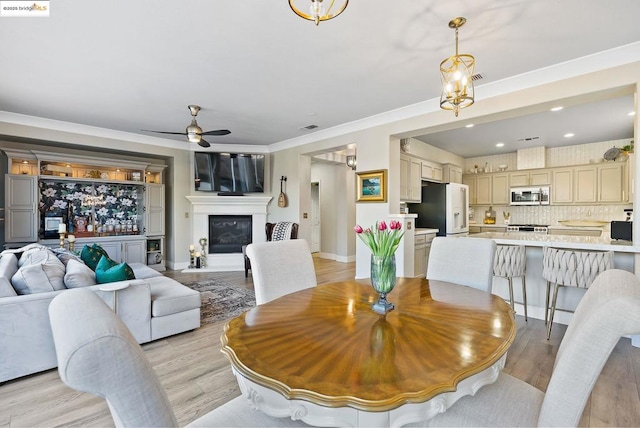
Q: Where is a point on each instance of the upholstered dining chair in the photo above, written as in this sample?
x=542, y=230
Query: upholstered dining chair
x=465, y=261
x=98, y=355
x=279, y=231
x=609, y=309
x=280, y=267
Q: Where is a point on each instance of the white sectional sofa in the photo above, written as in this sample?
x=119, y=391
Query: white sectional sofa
x=152, y=307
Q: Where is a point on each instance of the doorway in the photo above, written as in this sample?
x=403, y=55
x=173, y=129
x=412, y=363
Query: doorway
x=315, y=217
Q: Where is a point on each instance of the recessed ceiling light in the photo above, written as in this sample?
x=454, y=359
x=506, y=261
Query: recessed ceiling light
x=470, y=125
x=500, y=145
x=557, y=108
x=632, y=113
x=569, y=135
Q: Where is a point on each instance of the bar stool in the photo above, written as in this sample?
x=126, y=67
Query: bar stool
x=510, y=262
x=570, y=268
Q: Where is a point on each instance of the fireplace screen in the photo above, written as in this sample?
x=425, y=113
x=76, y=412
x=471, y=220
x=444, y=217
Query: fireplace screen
x=228, y=233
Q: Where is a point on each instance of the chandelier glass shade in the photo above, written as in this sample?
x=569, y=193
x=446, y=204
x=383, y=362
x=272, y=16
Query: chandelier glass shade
x=318, y=10
x=457, y=76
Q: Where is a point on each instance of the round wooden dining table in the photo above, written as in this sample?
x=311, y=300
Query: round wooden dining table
x=323, y=356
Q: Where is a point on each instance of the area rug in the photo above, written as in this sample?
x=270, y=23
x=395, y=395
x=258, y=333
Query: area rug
x=221, y=300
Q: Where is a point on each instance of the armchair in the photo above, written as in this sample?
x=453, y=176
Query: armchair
x=281, y=233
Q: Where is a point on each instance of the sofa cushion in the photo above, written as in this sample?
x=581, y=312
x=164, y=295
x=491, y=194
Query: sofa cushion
x=46, y=275
x=91, y=255
x=78, y=275
x=65, y=255
x=8, y=268
x=170, y=297
x=25, y=253
x=108, y=270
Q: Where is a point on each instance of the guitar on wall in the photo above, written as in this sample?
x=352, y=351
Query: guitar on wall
x=282, y=198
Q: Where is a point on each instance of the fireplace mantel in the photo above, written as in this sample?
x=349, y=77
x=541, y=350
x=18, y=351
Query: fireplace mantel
x=203, y=206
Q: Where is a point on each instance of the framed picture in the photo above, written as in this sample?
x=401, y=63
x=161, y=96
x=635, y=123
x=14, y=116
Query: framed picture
x=372, y=186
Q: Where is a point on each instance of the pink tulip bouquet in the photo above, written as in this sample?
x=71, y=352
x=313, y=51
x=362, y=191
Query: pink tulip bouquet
x=383, y=241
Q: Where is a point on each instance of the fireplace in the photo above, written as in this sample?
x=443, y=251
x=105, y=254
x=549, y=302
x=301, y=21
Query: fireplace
x=202, y=207
x=228, y=233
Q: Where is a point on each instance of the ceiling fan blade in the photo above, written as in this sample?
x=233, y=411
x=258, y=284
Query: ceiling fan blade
x=204, y=143
x=165, y=132
x=217, y=132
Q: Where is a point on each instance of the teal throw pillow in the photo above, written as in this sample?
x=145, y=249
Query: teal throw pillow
x=109, y=271
x=91, y=255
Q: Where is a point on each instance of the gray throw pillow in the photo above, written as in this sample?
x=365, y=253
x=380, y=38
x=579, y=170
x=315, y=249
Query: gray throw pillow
x=8, y=268
x=65, y=255
x=45, y=275
x=78, y=275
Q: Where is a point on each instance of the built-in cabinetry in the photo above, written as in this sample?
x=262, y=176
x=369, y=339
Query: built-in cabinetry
x=410, y=179
x=582, y=184
x=529, y=178
x=155, y=253
x=116, y=203
x=422, y=248
x=431, y=171
x=451, y=173
x=479, y=188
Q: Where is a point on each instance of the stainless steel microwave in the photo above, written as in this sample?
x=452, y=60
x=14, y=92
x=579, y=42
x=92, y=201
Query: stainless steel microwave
x=530, y=195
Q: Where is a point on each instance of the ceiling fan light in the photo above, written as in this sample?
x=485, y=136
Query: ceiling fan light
x=194, y=132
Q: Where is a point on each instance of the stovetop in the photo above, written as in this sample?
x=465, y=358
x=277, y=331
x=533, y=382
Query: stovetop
x=530, y=225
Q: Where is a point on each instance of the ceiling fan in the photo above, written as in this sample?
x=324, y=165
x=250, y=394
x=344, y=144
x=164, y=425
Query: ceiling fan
x=194, y=132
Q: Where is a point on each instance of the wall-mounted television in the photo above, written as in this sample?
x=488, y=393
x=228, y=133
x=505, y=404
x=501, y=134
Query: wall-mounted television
x=229, y=172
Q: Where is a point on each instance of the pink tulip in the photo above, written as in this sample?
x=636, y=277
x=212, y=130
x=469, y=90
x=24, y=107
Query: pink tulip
x=358, y=229
x=382, y=226
x=395, y=225
x=367, y=230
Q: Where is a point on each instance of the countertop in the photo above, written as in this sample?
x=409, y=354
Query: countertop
x=555, y=226
x=421, y=231
x=559, y=241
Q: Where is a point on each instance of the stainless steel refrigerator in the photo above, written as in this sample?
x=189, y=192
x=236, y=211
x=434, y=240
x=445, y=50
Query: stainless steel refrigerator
x=444, y=206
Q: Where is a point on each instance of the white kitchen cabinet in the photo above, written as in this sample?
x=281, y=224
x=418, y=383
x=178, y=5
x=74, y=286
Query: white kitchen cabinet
x=451, y=173
x=562, y=190
x=21, y=216
x=410, y=179
x=611, y=183
x=431, y=171
x=479, y=188
x=419, y=256
x=500, y=189
x=585, y=188
x=529, y=178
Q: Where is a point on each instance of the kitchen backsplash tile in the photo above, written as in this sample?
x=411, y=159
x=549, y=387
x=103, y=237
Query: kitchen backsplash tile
x=551, y=215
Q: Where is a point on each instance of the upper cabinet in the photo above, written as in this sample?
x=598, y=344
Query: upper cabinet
x=529, y=178
x=479, y=188
x=410, y=179
x=431, y=171
x=451, y=173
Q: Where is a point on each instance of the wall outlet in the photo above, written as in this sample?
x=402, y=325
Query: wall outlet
x=186, y=215
x=305, y=215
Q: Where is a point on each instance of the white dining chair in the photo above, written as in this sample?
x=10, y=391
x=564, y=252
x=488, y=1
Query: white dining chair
x=280, y=267
x=609, y=310
x=465, y=261
x=98, y=355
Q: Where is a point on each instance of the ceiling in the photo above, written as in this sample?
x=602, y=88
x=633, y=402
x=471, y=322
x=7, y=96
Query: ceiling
x=264, y=73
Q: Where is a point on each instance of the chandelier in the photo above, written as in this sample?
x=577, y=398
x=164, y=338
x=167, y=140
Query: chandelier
x=317, y=10
x=457, y=72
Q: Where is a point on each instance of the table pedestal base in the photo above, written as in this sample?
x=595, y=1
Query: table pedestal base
x=276, y=405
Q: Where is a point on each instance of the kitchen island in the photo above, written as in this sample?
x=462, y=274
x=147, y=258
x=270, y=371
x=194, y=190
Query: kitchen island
x=568, y=298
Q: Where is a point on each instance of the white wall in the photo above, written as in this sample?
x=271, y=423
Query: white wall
x=337, y=210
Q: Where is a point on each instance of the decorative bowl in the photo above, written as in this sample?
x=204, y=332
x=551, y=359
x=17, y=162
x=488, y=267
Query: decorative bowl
x=502, y=167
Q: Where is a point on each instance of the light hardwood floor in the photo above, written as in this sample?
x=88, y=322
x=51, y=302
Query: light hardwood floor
x=197, y=377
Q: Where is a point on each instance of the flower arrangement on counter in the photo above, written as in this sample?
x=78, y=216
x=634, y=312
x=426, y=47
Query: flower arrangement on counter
x=383, y=241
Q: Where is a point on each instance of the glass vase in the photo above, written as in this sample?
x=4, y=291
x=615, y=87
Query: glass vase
x=383, y=279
